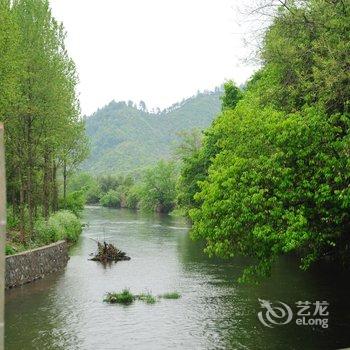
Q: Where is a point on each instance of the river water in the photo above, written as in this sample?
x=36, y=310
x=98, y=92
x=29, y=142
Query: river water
x=66, y=310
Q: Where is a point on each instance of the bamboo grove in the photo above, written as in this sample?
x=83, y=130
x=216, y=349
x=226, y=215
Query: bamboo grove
x=45, y=136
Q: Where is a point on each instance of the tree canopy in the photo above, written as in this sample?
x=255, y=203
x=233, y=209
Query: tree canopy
x=39, y=107
x=278, y=177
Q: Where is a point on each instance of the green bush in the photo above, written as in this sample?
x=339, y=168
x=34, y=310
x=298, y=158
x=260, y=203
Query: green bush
x=111, y=199
x=86, y=183
x=158, y=191
x=92, y=195
x=133, y=197
x=44, y=233
x=61, y=225
x=74, y=202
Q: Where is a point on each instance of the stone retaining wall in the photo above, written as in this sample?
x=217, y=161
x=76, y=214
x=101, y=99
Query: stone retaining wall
x=33, y=264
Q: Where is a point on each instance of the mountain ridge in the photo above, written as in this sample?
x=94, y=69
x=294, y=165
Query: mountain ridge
x=125, y=138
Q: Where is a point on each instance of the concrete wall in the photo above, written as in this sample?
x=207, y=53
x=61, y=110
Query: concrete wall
x=33, y=264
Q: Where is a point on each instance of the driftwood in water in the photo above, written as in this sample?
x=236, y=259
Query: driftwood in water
x=108, y=252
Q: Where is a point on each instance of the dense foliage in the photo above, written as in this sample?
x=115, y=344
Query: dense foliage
x=231, y=96
x=158, y=188
x=279, y=172
x=38, y=105
x=60, y=225
x=153, y=189
x=74, y=202
x=197, y=151
x=111, y=199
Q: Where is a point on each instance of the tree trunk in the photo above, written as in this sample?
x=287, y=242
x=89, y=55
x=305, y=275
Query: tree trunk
x=65, y=183
x=21, y=209
x=46, y=184
x=54, y=204
x=30, y=177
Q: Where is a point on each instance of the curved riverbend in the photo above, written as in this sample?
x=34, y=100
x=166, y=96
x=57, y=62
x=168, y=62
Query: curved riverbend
x=65, y=310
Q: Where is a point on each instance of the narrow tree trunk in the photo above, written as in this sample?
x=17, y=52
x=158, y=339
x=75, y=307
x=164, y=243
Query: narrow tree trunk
x=30, y=177
x=14, y=201
x=54, y=203
x=46, y=184
x=21, y=209
x=65, y=183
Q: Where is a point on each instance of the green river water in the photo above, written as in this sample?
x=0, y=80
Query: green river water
x=66, y=310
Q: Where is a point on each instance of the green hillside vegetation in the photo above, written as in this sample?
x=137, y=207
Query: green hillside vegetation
x=125, y=137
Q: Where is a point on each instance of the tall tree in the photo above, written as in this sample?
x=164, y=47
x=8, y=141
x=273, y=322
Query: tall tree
x=38, y=105
x=278, y=179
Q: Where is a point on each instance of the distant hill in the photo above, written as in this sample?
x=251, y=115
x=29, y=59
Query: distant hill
x=124, y=138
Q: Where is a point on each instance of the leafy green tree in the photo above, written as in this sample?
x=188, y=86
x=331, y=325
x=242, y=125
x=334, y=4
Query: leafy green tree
x=142, y=106
x=109, y=182
x=73, y=202
x=133, y=196
x=75, y=150
x=86, y=183
x=279, y=186
x=189, y=143
x=158, y=188
x=195, y=159
x=39, y=107
x=306, y=54
x=111, y=199
x=232, y=94
x=278, y=177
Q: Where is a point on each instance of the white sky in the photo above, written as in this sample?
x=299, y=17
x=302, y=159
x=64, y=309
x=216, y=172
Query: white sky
x=159, y=51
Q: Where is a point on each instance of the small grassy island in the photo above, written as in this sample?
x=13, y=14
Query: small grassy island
x=126, y=297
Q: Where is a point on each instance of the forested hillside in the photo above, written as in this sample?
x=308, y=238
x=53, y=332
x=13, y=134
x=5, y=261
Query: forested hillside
x=125, y=137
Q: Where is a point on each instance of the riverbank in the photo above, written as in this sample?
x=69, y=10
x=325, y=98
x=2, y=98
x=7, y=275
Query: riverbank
x=31, y=265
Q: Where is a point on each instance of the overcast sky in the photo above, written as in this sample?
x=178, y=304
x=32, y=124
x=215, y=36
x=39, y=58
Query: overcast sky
x=159, y=51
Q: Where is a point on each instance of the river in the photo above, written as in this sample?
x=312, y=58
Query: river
x=66, y=310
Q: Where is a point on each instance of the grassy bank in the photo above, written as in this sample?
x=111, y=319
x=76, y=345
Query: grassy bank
x=61, y=225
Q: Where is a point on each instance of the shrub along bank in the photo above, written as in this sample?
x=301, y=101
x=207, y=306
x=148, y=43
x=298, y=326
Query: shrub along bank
x=62, y=224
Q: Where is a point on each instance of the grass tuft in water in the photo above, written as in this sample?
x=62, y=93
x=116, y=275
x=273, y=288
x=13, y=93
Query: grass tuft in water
x=171, y=295
x=125, y=297
x=147, y=297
